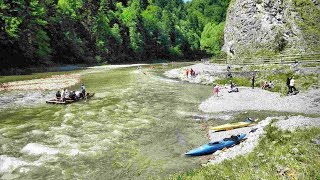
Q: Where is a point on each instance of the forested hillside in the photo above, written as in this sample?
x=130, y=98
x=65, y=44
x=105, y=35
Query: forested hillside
x=47, y=32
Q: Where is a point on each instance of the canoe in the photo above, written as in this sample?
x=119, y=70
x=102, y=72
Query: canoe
x=68, y=100
x=212, y=147
x=229, y=126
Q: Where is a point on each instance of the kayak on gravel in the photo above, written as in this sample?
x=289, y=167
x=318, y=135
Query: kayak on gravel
x=69, y=100
x=212, y=147
x=229, y=126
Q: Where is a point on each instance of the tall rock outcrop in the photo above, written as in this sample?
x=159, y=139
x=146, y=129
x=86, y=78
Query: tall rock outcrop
x=268, y=27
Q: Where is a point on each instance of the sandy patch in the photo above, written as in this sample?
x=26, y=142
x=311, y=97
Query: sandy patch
x=51, y=83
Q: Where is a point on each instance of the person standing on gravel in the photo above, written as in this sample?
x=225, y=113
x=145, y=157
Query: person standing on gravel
x=292, y=88
x=252, y=80
x=187, y=72
x=216, y=90
x=288, y=85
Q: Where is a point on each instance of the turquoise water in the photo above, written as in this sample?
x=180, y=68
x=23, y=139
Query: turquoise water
x=136, y=127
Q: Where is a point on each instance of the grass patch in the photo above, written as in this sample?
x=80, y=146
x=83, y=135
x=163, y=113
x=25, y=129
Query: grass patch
x=240, y=81
x=278, y=74
x=279, y=155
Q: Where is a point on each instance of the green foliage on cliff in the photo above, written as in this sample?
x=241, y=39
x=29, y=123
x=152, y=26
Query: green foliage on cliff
x=309, y=22
x=212, y=38
x=78, y=31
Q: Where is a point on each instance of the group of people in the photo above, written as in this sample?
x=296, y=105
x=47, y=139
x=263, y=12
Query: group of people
x=267, y=85
x=74, y=95
x=191, y=72
x=232, y=88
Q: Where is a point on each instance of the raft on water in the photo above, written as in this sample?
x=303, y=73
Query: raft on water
x=212, y=147
x=69, y=100
x=229, y=126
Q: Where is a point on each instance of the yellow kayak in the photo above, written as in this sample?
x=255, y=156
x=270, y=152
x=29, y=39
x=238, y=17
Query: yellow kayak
x=229, y=126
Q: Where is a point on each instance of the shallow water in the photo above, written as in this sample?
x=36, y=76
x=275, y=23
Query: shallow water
x=137, y=126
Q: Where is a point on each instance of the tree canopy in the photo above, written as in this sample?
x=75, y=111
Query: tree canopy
x=114, y=31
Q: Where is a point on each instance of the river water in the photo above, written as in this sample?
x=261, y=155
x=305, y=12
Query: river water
x=137, y=126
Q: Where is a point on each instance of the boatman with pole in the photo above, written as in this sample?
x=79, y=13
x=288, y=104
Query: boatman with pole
x=83, y=90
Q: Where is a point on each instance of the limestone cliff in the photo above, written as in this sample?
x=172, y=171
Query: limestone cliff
x=269, y=27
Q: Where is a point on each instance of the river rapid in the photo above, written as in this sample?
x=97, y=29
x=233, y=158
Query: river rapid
x=137, y=126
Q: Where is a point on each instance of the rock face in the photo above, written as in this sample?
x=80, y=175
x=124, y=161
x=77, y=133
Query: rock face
x=268, y=27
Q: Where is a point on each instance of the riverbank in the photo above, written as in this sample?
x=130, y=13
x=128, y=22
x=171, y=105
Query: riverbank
x=248, y=99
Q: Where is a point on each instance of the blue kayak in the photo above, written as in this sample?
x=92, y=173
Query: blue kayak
x=214, y=146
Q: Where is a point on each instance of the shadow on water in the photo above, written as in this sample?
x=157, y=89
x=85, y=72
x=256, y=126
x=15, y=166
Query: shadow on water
x=136, y=127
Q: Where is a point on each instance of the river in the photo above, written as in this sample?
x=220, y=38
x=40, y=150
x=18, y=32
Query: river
x=137, y=126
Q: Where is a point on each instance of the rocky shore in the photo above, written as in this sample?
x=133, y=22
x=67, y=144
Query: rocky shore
x=250, y=99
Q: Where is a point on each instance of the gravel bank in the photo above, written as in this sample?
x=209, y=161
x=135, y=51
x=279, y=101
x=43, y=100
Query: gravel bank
x=207, y=73
x=244, y=147
x=258, y=99
x=247, y=146
x=294, y=122
x=247, y=98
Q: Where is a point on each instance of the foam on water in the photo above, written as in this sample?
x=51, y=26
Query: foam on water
x=8, y=164
x=116, y=133
x=68, y=116
x=90, y=113
x=38, y=149
x=74, y=152
x=37, y=132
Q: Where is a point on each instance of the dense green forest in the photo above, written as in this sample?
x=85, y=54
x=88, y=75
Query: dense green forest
x=48, y=32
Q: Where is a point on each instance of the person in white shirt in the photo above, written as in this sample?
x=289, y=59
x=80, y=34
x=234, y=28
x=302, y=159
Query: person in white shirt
x=63, y=95
x=291, y=85
x=78, y=94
